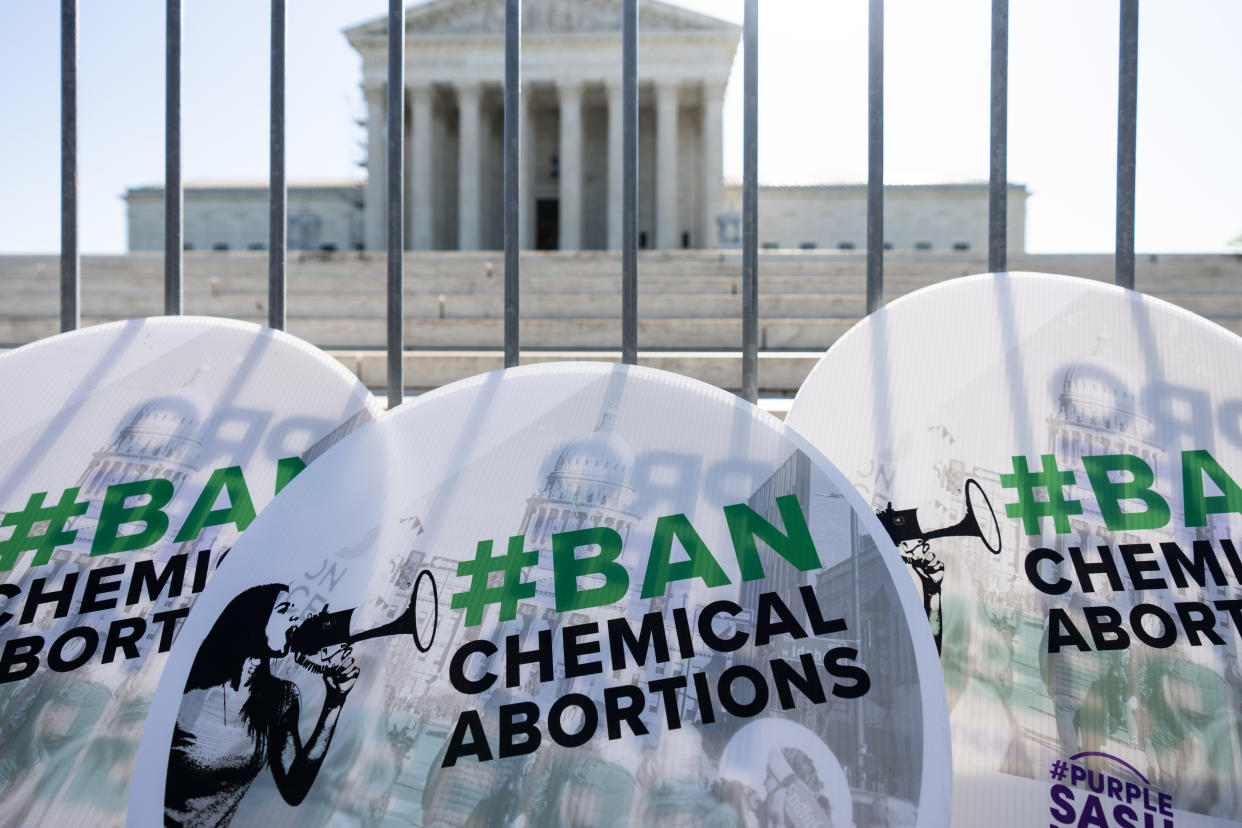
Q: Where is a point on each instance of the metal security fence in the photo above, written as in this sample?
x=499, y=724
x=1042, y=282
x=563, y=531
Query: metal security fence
x=70, y=259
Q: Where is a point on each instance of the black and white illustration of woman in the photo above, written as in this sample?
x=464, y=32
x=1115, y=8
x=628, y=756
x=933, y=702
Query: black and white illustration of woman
x=236, y=717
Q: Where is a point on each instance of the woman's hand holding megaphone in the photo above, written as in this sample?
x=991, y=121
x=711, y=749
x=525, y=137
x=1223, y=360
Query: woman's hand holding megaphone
x=340, y=674
x=930, y=569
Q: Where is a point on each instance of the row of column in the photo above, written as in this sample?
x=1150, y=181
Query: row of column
x=420, y=198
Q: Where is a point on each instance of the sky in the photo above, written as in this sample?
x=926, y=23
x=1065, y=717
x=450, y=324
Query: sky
x=812, y=108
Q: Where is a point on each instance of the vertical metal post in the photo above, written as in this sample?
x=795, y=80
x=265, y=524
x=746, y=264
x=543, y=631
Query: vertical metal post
x=70, y=259
x=172, y=159
x=875, y=155
x=998, y=175
x=395, y=168
x=1127, y=127
x=513, y=178
x=277, y=194
x=750, y=202
x=629, y=182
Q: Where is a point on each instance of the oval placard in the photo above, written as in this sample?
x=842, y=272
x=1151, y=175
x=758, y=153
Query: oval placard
x=656, y=606
x=131, y=457
x=1057, y=459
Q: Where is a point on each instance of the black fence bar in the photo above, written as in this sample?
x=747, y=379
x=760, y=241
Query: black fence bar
x=277, y=193
x=396, y=238
x=70, y=259
x=513, y=178
x=1127, y=127
x=172, y=159
x=750, y=203
x=998, y=167
x=629, y=182
x=875, y=155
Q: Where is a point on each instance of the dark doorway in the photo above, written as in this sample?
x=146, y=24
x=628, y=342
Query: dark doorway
x=547, y=224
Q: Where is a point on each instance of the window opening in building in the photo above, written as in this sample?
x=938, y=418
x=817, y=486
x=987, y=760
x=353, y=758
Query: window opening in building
x=845, y=246
x=961, y=245
x=808, y=245
x=923, y=245
x=547, y=223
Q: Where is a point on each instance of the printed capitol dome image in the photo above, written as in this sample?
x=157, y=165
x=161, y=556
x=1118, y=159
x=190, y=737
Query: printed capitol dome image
x=570, y=594
x=1061, y=475
x=132, y=455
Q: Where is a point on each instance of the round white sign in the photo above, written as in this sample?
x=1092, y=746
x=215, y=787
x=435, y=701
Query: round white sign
x=131, y=457
x=560, y=595
x=1057, y=460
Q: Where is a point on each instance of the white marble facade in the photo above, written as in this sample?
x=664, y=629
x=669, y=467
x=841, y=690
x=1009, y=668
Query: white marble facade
x=570, y=124
x=571, y=158
x=918, y=217
x=234, y=216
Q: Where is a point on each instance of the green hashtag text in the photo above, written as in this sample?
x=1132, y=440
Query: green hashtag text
x=42, y=543
x=1052, y=480
x=512, y=588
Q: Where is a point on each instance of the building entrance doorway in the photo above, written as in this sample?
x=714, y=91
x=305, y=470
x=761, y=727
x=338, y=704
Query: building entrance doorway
x=547, y=223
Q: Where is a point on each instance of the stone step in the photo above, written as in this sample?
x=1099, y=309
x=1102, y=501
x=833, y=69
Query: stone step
x=575, y=333
x=778, y=373
x=372, y=304
x=534, y=305
x=605, y=263
x=376, y=285
x=15, y=285
x=687, y=299
x=696, y=272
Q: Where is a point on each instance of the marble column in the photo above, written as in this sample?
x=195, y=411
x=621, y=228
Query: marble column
x=420, y=168
x=374, y=223
x=713, y=161
x=570, y=208
x=667, y=234
x=468, y=167
x=526, y=181
x=616, y=173
x=407, y=220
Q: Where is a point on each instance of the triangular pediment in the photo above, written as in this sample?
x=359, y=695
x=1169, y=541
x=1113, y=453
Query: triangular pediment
x=487, y=17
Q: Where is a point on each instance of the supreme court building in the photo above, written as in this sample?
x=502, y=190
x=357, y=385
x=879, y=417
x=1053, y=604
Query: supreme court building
x=571, y=159
x=570, y=124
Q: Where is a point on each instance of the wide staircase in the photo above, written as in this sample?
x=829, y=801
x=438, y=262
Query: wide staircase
x=689, y=303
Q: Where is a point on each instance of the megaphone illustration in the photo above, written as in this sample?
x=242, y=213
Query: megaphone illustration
x=327, y=629
x=903, y=524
